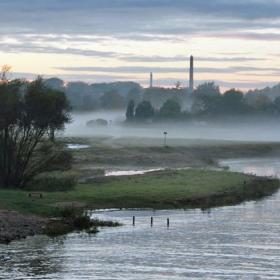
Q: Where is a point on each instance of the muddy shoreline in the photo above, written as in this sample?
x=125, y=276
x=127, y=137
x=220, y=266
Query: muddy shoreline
x=14, y=226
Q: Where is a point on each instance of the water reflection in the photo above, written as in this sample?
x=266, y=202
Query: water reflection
x=77, y=146
x=261, y=167
x=130, y=172
x=237, y=242
x=30, y=257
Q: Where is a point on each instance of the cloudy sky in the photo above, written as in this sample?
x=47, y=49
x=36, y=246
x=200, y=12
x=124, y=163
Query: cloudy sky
x=236, y=43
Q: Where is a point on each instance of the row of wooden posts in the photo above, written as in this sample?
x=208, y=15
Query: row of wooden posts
x=152, y=221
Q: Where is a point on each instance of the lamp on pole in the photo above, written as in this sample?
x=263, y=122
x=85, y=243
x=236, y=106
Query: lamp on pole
x=165, y=138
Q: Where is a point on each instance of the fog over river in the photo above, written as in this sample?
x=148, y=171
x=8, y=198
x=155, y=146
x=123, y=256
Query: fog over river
x=236, y=242
x=253, y=130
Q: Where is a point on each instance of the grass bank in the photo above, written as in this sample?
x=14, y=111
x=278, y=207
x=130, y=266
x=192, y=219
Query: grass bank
x=192, y=188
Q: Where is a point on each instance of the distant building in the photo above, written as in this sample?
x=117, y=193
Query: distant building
x=151, y=80
x=191, y=76
x=191, y=82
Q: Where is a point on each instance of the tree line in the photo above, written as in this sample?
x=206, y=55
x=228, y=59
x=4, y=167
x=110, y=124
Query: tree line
x=207, y=97
x=206, y=101
x=89, y=97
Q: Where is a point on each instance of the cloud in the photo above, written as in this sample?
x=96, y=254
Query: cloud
x=82, y=28
x=156, y=69
x=138, y=17
x=90, y=78
x=181, y=58
x=35, y=48
x=249, y=36
x=44, y=44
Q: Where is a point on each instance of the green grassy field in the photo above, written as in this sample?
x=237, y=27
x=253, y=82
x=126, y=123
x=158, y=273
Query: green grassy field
x=158, y=190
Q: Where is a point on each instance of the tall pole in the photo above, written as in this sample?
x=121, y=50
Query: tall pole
x=191, y=84
x=151, y=80
x=165, y=140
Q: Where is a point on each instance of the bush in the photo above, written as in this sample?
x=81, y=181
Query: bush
x=53, y=181
x=75, y=220
x=93, y=230
x=57, y=228
x=63, y=161
x=82, y=222
x=70, y=212
x=97, y=122
x=99, y=223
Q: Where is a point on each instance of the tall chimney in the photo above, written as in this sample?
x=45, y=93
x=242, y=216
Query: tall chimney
x=191, y=74
x=151, y=80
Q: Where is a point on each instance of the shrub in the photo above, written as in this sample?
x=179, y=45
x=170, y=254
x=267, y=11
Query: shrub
x=73, y=220
x=82, y=222
x=57, y=228
x=53, y=181
x=93, y=230
x=70, y=212
x=63, y=161
x=99, y=223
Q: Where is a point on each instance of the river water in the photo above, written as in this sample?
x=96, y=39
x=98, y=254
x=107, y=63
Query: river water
x=237, y=242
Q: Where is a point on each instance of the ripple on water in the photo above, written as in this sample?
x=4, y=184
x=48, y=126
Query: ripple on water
x=236, y=242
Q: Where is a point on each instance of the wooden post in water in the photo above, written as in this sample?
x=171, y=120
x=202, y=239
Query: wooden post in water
x=133, y=220
x=168, y=222
x=152, y=221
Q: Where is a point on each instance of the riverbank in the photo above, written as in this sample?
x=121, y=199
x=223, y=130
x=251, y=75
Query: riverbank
x=169, y=189
x=148, y=153
x=14, y=225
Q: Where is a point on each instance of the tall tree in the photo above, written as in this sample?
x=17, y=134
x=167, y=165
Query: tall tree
x=112, y=100
x=209, y=88
x=134, y=94
x=25, y=121
x=144, y=111
x=130, y=111
x=233, y=102
x=206, y=99
x=170, y=109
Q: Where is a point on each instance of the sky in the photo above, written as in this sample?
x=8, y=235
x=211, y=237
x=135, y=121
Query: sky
x=234, y=43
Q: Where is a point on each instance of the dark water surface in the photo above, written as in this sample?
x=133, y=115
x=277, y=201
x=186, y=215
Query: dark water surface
x=238, y=242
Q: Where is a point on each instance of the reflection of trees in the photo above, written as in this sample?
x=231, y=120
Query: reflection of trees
x=36, y=256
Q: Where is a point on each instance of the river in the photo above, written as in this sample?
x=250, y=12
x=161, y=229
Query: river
x=237, y=242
